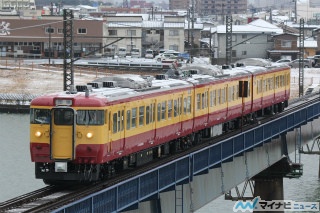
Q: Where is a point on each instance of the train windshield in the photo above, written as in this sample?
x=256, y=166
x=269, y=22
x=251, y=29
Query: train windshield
x=63, y=117
x=39, y=116
x=90, y=117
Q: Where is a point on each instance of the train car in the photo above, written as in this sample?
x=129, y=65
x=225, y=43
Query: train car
x=92, y=131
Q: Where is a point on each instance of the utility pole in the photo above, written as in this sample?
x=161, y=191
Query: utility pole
x=192, y=36
x=68, y=79
x=228, y=39
x=210, y=46
x=188, y=25
x=49, y=51
x=295, y=11
x=301, y=57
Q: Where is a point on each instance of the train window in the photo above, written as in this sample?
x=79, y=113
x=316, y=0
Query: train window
x=120, y=120
x=223, y=95
x=203, y=102
x=231, y=98
x=180, y=106
x=141, y=116
x=128, y=119
x=237, y=92
x=185, y=106
x=134, y=118
x=198, y=101
x=90, y=117
x=175, y=108
x=106, y=117
x=189, y=104
x=63, y=117
x=148, y=117
x=169, y=109
x=259, y=86
x=115, y=116
x=152, y=112
x=206, y=99
x=159, y=112
x=40, y=116
x=163, y=110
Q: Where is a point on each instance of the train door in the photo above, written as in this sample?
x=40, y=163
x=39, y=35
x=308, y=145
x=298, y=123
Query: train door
x=62, y=140
x=116, y=128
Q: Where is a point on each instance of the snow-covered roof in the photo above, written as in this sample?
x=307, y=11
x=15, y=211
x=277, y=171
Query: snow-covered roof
x=173, y=25
x=124, y=24
x=87, y=7
x=255, y=26
x=143, y=15
x=195, y=25
x=152, y=24
x=309, y=43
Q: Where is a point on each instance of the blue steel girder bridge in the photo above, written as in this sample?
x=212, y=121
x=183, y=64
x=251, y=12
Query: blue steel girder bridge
x=188, y=183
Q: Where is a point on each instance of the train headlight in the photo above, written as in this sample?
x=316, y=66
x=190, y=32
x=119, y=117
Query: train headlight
x=89, y=135
x=37, y=134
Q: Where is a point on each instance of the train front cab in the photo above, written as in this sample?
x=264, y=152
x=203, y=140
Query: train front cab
x=66, y=144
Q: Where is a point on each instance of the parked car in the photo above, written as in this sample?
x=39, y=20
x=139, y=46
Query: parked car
x=135, y=52
x=295, y=63
x=149, y=53
x=122, y=52
x=286, y=61
x=164, y=56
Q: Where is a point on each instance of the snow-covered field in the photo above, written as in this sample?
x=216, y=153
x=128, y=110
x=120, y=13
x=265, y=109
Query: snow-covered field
x=37, y=79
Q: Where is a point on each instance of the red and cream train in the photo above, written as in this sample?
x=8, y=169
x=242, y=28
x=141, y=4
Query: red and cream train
x=120, y=121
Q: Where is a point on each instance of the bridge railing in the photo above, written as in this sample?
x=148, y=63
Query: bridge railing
x=129, y=193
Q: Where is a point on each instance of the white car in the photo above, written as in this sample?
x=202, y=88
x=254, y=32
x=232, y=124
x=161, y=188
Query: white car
x=164, y=56
x=286, y=61
x=149, y=54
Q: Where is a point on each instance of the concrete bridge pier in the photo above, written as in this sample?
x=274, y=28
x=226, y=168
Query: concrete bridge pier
x=269, y=188
x=269, y=183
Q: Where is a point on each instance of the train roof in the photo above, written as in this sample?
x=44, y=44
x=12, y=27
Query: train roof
x=122, y=86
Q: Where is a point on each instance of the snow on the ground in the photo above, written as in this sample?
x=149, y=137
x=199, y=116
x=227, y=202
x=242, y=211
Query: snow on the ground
x=37, y=79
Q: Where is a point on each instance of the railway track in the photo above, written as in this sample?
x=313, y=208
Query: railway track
x=50, y=198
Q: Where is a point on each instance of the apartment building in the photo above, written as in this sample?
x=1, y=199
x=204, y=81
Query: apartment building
x=179, y=4
x=221, y=7
x=140, y=32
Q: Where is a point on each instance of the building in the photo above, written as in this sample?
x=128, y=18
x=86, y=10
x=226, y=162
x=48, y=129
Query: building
x=179, y=4
x=44, y=37
x=141, y=32
x=18, y=4
x=314, y=3
x=248, y=41
x=221, y=7
x=285, y=47
x=274, y=4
